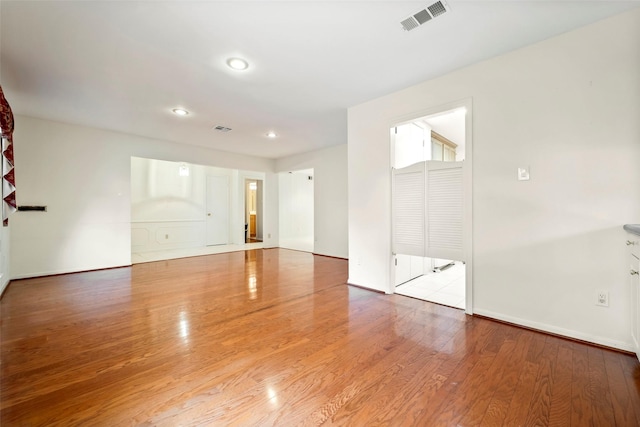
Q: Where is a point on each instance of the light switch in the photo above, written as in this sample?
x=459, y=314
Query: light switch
x=523, y=174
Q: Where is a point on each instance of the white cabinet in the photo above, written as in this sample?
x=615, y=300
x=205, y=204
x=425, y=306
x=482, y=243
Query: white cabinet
x=633, y=243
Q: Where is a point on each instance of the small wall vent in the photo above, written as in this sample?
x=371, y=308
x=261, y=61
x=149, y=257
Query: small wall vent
x=425, y=15
x=221, y=129
x=23, y=208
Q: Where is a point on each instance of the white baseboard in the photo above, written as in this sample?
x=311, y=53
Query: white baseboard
x=543, y=327
x=352, y=283
x=59, y=272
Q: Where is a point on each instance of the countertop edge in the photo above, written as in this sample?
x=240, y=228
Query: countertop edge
x=632, y=228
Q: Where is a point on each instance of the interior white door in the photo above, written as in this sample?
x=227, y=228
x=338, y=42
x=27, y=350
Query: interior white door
x=408, y=267
x=403, y=269
x=217, y=222
x=408, y=220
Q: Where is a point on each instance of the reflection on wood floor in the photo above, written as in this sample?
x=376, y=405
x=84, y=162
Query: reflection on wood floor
x=276, y=337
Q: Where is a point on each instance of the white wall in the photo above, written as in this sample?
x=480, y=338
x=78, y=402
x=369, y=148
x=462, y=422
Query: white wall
x=159, y=193
x=168, y=211
x=270, y=196
x=330, y=196
x=296, y=202
x=83, y=175
x=568, y=107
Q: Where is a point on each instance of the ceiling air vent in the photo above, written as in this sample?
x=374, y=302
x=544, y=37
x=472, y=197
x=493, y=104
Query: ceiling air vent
x=422, y=16
x=433, y=11
x=221, y=129
x=409, y=24
x=437, y=9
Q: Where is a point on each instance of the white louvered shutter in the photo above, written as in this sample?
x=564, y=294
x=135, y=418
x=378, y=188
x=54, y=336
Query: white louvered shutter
x=408, y=210
x=444, y=207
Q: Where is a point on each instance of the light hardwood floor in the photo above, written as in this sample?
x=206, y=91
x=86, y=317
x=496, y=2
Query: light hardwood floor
x=276, y=337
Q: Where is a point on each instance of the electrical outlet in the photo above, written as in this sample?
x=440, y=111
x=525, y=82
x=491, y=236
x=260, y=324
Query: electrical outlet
x=603, y=299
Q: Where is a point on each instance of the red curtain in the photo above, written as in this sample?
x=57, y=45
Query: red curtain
x=8, y=176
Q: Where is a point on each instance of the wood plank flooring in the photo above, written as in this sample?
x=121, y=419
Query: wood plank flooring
x=276, y=337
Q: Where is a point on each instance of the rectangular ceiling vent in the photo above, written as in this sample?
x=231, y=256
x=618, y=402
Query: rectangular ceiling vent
x=222, y=129
x=437, y=9
x=425, y=15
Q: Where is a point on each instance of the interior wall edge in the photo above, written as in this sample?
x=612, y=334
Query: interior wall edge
x=4, y=286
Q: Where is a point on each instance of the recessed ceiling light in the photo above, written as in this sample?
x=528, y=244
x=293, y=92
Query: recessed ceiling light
x=180, y=111
x=272, y=134
x=237, y=64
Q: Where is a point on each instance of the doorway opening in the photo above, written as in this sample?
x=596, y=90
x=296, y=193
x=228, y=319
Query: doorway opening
x=253, y=224
x=440, y=270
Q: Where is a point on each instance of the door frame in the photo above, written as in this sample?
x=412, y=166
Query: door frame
x=243, y=177
x=467, y=213
x=259, y=208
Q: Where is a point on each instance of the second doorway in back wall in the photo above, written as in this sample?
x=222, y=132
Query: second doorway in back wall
x=253, y=226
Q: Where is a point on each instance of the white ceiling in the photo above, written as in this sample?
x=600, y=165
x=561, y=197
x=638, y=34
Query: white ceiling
x=123, y=65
